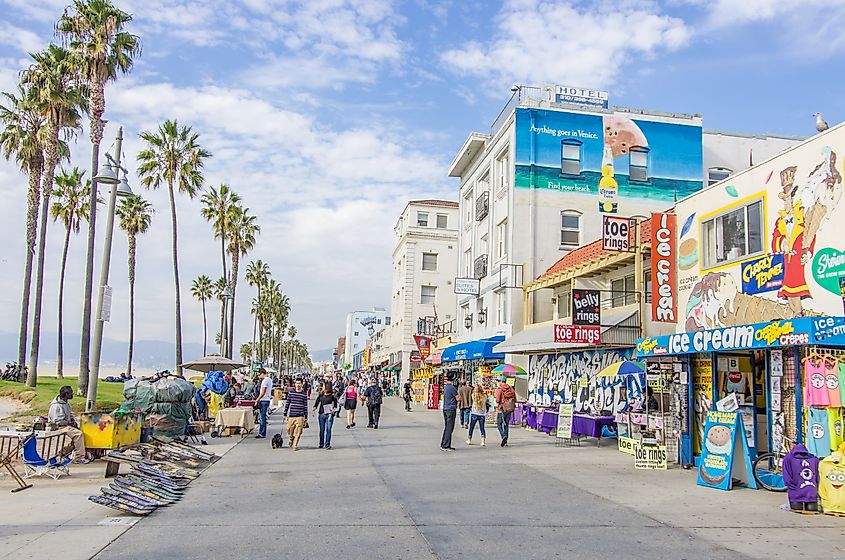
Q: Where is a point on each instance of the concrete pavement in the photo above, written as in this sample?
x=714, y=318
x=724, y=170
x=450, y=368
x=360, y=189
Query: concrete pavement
x=392, y=493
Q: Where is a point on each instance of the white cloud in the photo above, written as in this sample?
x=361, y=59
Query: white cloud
x=20, y=39
x=581, y=44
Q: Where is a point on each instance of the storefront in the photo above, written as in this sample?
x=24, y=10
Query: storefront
x=469, y=361
x=782, y=376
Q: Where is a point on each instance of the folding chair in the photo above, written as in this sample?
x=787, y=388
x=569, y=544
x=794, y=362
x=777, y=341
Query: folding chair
x=54, y=467
x=9, y=449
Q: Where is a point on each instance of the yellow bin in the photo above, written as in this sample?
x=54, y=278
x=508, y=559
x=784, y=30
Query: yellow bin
x=103, y=430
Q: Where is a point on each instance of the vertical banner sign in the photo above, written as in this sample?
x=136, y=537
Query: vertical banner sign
x=423, y=345
x=586, y=307
x=664, y=269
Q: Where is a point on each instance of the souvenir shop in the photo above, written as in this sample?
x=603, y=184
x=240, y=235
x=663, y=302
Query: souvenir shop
x=783, y=377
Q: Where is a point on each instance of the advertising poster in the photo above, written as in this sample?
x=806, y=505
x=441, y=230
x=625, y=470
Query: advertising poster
x=650, y=457
x=627, y=444
x=664, y=260
x=724, y=454
x=564, y=420
x=702, y=394
x=762, y=275
x=586, y=307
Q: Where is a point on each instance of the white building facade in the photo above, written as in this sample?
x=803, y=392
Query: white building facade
x=360, y=326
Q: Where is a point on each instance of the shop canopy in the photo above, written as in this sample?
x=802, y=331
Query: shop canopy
x=396, y=366
x=435, y=359
x=481, y=349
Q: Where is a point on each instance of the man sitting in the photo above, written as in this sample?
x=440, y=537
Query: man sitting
x=60, y=416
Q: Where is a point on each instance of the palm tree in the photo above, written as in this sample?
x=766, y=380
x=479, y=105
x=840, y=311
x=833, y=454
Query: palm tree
x=257, y=274
x=53, y=79
x=173, y=157
x=134, y=216
x=242, y=232
x=246, y=351
x=22, y=138
x=71, y=207
x=202, y=289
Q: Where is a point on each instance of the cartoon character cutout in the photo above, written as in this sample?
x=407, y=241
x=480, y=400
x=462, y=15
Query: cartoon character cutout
x=820, y=195
x=788, y=238
x=621, y=134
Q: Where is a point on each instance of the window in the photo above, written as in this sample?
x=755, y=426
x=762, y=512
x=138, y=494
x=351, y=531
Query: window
x=570, y=157
x=502, y=239
x=638, y=164
x=716, y=174
x=356, y=333
x=442, y=221
x=468, y=209
x=570, y=228
x=428, y=294
x=622, y=291
x=422, y=219
x=501, y=313
x=733, y=235
x=647, y=285
x=429, y=261
x=503, y=170
x=468, y=263
x=482, y=206
x=564, y=304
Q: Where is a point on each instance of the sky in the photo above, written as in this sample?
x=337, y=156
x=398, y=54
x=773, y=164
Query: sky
x=326, y=116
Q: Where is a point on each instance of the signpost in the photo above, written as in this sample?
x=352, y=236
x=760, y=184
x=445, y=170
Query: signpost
x=577, y=334
x=618, y=234
x=586, y=308
x=580, y=96
x=649, y=457
x=467, y=286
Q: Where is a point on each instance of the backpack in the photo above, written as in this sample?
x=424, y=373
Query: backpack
x=508, y=399
x=375, y=396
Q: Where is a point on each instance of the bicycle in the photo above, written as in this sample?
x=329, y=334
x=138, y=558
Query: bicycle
x=768, y=468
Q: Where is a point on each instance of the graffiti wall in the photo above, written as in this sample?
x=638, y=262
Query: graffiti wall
x=571, y=377
x=767, y=243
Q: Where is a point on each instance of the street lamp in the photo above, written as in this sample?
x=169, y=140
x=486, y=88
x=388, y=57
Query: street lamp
x=482, y=316
x=119, y=187
x=468, y=321
x=226, y=294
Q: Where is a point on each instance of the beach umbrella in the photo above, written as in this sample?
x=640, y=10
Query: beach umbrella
x=622, y=368
x=213, y=362
x=509, y=369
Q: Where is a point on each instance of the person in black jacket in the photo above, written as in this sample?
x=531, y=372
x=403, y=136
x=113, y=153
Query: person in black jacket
x=325, y=405
x=374, y=397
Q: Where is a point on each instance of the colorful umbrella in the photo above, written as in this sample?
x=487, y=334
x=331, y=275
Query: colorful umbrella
x=622, y=368
x=509, y=369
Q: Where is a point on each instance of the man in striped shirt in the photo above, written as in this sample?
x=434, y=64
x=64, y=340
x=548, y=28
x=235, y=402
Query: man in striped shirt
x=296, y=410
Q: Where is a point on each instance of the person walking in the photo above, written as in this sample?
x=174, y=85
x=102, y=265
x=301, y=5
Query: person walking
x=340, y=393
x=406, y=394
x=478, y=414
x=350, y=403
x=296, y=410
x=505, y=404
x=374, y=397
x=465, y=403
x=265, y=394
x=325, y=406
x=450, y=410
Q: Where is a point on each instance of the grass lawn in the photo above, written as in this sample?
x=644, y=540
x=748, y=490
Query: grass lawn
x=109, y=395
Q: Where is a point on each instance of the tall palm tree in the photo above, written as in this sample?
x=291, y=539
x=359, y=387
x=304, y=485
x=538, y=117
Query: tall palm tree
x=71, y=207
x=203, y=290
x=134, y=216
x=22, y=138
x=94, y=31
x=173, y=157
x=257, y=274
x=242, y=232
x=56, y=96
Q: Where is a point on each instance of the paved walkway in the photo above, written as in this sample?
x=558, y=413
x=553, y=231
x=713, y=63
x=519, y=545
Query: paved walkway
x=392, y=493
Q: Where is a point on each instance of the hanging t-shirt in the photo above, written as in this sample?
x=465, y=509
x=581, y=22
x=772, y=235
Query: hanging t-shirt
x=831, y=377
x=815, y=385
x=832, y=484
x=818, y=432
x=842, y=382
x=834, y=426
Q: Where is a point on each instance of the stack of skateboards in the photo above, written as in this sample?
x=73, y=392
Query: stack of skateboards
x=161, y=471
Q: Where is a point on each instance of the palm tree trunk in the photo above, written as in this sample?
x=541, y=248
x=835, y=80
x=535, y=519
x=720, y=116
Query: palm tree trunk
x=204, y=330
x=131, y=302
x=50, y=160
x=235, y=262
x=32, y=200
x=176, y=282
x=60, y=354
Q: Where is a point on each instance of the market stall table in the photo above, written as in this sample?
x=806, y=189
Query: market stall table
x=531, y=417
x=238, y=417
x=590, y=426
x=548, y=420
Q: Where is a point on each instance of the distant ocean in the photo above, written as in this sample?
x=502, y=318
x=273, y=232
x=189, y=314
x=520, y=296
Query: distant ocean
x=587, y=183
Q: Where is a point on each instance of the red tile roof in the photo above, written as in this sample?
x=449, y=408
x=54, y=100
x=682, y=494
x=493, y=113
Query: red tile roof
x=435, y=202
x=589, y=253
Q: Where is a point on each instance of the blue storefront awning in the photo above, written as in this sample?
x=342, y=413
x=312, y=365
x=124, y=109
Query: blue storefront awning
x=474, y=350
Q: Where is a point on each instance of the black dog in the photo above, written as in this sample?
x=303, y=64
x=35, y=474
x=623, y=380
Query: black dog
x=277, y=441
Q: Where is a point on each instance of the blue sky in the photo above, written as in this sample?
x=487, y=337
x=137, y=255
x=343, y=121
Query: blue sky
x=327, y=115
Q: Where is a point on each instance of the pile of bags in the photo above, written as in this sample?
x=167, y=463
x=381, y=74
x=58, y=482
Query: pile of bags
x=165, y=402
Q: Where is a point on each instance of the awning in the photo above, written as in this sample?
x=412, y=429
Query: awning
x=474, y=350
x=435, y=359
x=621, y=329
x=396, y=366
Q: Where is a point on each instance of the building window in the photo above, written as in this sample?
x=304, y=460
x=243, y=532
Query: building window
x=502, y=239
x=564, y=304
x=429, y=261
x=355, y=334
x=468, y=209
x=733, y=235
x=442, y=221
x=468, y=263
x=570, y=228
x=638, y=164
x=622, y=291
x=647, y=285
x=716, y=174
x=570, y=157
x=503, y=170
x=422, y=219
x=501, y=311
x=428, y=294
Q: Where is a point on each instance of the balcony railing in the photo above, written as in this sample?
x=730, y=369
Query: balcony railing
x=482, y=206
x=480, y=267
x=428, y=326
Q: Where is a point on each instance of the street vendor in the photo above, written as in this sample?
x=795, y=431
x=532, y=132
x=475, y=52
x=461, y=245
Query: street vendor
x=60, y=417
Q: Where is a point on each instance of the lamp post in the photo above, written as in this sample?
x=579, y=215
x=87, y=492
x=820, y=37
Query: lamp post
x=226, y=294
x=109, y=175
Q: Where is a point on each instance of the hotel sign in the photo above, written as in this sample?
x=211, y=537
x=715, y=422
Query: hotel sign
x=467, y=286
